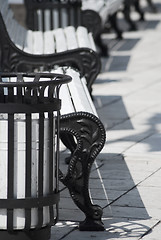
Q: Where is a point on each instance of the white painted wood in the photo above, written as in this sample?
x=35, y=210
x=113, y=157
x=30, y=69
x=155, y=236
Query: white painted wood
x=49, y=43
x=92, y=43
x=28, y=44
x=38, y=45
x=4, y=9
x=20, y=36
x=95, y=5
x=82, y=37
x=64, y=18
x=39, y=20
x=79, y=93
x=71, y=38
x=47, y=20
x=66, y=99
x=55, y=19
x=60, y=40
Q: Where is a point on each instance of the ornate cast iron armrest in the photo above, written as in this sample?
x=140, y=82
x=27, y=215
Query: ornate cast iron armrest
x=90, y=138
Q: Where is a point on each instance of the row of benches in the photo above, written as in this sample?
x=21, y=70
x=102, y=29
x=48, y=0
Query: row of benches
x=59, y=41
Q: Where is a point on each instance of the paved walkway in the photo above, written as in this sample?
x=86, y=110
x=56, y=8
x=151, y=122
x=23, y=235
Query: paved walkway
x=127, y=183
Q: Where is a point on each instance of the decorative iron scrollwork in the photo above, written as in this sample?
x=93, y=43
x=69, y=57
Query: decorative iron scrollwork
x=90, y=138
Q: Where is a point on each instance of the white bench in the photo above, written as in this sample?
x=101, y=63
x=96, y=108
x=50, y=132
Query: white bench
x=95, y=15
x=60, y=40
x=80, y=128
x=103, y=7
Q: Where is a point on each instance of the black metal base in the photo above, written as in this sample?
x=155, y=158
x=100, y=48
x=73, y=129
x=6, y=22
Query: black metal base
x=91, y=225
x=41, y=234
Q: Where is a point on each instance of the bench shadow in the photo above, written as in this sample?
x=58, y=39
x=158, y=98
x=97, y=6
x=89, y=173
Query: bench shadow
x=112, y=111
x=113, y=187
x=119, y=62
x=151, y=137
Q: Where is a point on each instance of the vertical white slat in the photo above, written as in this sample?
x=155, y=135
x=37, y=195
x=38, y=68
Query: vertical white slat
x=47, y=24
x=92, y=43
x=60, y=40
x=4, y=9
x=28, y=44
x=39, y=19
x=82, y=37
x=55, y=19
x=14, y=30
x=8, y=18
x=49, y=42
x=79, y=93
x=38, y=45
x=20, y=36
x=71, y=38
x=2, y=2
x=64, y=18
x=67, y=105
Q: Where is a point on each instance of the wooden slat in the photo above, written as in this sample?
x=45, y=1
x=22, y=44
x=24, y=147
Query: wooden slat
x=82, y=37
x=79, y=93
x=47, y=23
x=49, y=42
x=28, y=44
x=20, y=36
x=38, y=46
x=71, y=38
x=67, y=104
x=60, y=40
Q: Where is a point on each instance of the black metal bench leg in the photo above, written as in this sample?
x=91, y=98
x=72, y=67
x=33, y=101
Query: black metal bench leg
x=113, y=22
x=139, y=10
x=90, y=136
x=126, y=12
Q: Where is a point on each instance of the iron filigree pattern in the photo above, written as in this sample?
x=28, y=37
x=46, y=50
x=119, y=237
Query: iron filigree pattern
x=90, y=138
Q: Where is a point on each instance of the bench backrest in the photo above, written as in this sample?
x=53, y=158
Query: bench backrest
x=51, y=14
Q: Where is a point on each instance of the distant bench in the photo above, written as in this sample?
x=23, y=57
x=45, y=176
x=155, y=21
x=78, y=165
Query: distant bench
x=96, y=13
x=80, y=128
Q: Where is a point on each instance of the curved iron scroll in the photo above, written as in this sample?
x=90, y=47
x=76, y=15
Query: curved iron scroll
x=90, y=135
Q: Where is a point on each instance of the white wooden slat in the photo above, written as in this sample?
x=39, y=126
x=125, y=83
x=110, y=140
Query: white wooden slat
x=8, y=17
x=66, y=101
x=28, y=45
x=55, y=19
x=20, y=36
x=4, y=9
x=92, y=43
x=39, y=20
x=79, y=93
x=60, y=40
x=14, y=28
x=47, y=24
x=82, y=37
x=10, y=25
x=93, y=5
x=2, y=2
x=49, y=43
x=114, y=5
x=38, y=45
x=64, y=18
x=71, y=37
